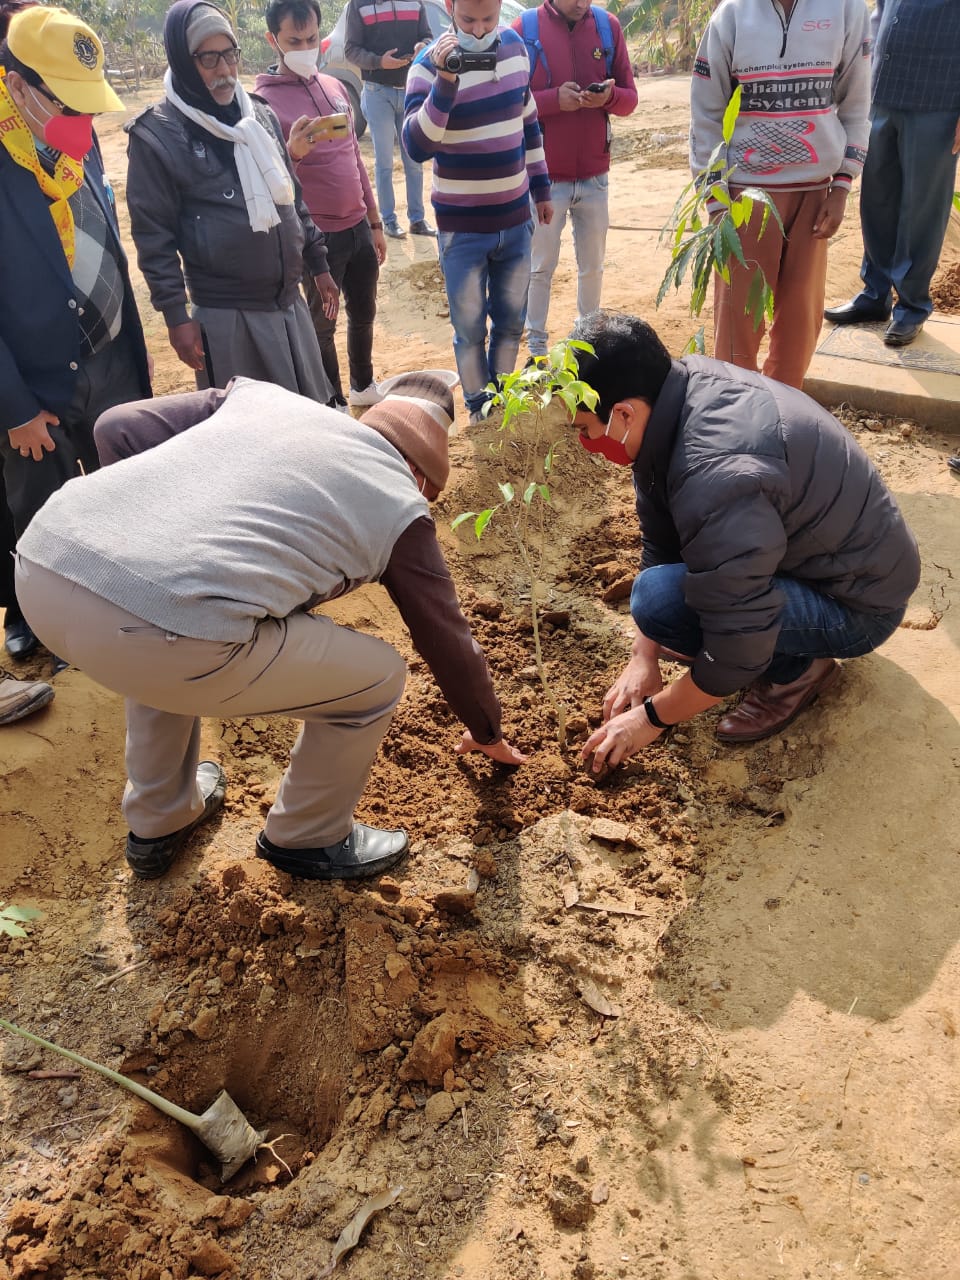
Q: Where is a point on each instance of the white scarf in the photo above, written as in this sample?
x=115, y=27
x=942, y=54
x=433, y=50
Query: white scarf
x=264, y=176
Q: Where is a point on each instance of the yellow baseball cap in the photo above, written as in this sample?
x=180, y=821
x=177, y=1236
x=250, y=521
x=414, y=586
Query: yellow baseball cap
x=67, y=56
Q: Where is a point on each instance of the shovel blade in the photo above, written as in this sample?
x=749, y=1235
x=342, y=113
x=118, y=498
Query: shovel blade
x=226, y=1131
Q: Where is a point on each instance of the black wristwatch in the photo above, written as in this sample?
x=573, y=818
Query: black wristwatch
x=651, y=712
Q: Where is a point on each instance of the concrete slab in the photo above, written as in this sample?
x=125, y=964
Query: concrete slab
x=852, y=366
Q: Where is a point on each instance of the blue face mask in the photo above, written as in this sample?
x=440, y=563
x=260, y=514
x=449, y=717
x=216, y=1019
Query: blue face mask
x=477, y=44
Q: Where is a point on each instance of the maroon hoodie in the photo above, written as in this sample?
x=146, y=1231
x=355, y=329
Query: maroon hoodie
x=335, y=184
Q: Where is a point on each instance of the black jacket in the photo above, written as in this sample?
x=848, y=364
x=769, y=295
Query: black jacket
x=374, y=27
x=741, y=478
x=39, y=333
x=189, y=221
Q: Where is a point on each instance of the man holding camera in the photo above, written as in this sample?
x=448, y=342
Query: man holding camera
x=469, y=108
x=580, y=75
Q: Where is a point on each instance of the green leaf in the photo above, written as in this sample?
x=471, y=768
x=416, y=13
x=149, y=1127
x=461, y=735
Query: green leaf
x=755, y=298
x=731, y=113
x=696, y=346
x=730, y=242
x=548, y=460
x=544, y=492
x=482, y=520
x=528, y=493
x=506, y=488
x=11, y=930
x=462, y=518
x=20, y=913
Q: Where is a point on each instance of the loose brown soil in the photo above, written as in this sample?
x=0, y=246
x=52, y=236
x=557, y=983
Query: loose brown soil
x=698, y=1021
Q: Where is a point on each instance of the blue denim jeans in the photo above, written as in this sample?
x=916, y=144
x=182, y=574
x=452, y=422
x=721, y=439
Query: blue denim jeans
x=905, y=197
x=586, y=203
x=486, y=276
x=812, y=625
x=383, y=106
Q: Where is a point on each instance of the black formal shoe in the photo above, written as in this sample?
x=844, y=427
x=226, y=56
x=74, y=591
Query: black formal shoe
x=857, y=313
x=394, y=231
x=421, y=228
x=19, y=639
x=151, y=858
x=900, y=333
x=365, y=852
x=954, y=464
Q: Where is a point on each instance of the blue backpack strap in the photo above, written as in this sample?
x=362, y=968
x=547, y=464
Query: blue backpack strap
x=530, y=35
x=604, y=35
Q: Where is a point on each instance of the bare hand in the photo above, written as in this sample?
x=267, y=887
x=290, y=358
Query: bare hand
x=300, y=142
x=544, y=212
x=638, y=680
x=619, y=738
x=379, y=244
x=442, y=50
x=500, y=751
x=569, y=96
x=588, y=99
x=187, y=341
x=32, y=438
x=329, y=294
x=390, y=62
x=830, y=214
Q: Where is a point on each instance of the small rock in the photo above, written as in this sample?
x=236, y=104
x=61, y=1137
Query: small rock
x=439, y=1109
x=608, y=831
x=488, y=607
x=907, y=429
x=617, y=591
x=68, y=1096
x=455, y=902
x=569, y=1202
x=425, y=1159
x=452, y=1192
x=872, y=424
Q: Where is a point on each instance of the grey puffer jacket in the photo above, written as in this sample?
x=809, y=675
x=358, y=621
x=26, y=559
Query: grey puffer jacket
x=742, y=478
x=186, y=206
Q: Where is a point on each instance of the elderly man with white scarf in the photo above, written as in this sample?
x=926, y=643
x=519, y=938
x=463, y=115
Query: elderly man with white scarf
x=216, y=213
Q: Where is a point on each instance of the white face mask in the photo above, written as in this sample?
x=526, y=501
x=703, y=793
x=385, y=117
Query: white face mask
x=302, y=62
x=477, y=44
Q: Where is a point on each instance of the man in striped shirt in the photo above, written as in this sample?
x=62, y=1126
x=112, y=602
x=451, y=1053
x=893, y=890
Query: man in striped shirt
x=480, y=129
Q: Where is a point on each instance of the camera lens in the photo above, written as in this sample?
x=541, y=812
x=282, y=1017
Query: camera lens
x=453, y=63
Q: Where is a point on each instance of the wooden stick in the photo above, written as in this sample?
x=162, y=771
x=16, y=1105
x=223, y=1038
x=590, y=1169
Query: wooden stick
x=53, y=1075
x=127, y=968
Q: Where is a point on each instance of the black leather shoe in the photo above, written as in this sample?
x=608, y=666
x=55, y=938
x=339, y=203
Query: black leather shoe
x=421, y=228
x=394, y=231
x=365, y=852
x=151, y=858
x=856, y=313
x=954, y=464
x=900, y=333
x=19, y=639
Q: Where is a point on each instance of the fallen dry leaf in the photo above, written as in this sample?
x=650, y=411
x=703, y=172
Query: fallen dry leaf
x=591, y=994
x=351, y=1233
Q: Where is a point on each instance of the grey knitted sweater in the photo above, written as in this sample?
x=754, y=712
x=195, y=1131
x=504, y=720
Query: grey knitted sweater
x=272, y=504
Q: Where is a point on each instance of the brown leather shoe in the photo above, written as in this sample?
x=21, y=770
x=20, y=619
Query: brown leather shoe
x=767, y=708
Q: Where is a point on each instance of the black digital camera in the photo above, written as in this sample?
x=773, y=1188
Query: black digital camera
x=460, y=60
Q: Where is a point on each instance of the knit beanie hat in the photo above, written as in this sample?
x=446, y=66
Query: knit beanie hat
x=416, y=417
x=206, y=20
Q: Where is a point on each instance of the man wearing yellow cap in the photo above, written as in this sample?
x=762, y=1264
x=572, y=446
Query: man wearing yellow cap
x=71, y=344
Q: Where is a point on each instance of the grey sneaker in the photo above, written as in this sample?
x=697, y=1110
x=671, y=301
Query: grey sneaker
x=149, y=859
x=19, y=698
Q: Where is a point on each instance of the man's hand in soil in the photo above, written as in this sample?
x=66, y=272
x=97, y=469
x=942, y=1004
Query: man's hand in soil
x=33, y=439
x=187, y=342
x=639, y=679
x=500, y=751
x=569, y=96
x=329, y=294
x=623, y=736
x=830, y=214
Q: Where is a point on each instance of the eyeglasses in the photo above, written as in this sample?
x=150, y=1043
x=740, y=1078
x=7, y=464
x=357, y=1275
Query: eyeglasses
x=211, y=58
x=67, y=111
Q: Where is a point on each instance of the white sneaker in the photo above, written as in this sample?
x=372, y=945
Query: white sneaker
x=19, y=698
x=368, y=396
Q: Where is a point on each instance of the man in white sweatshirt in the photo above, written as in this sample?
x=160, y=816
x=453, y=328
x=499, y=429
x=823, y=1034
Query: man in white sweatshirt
x=801, y=135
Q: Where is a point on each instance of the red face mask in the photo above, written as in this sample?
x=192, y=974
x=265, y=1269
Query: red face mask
x=612, y=450
x=73, y=135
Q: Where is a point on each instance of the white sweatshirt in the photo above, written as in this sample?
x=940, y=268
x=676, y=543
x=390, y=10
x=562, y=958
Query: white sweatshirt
x=804, y=113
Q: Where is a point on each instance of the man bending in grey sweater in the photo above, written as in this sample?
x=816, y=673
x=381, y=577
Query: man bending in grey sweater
x=183, y=577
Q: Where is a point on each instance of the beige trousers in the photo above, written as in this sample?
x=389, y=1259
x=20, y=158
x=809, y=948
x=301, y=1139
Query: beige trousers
x=342, y=684
x=795, y=266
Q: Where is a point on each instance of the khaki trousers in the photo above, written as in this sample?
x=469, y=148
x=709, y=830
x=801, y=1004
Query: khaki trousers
x=795, y=266
x=342, y=684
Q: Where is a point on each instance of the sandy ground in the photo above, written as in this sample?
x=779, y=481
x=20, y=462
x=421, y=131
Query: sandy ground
x=697, y=1023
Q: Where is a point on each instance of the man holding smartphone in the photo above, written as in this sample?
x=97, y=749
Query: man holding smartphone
x=580, y=75
x=321, y=141
x=382, y=37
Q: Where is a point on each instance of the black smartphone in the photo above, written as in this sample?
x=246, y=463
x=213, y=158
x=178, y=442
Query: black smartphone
x=597, y=87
